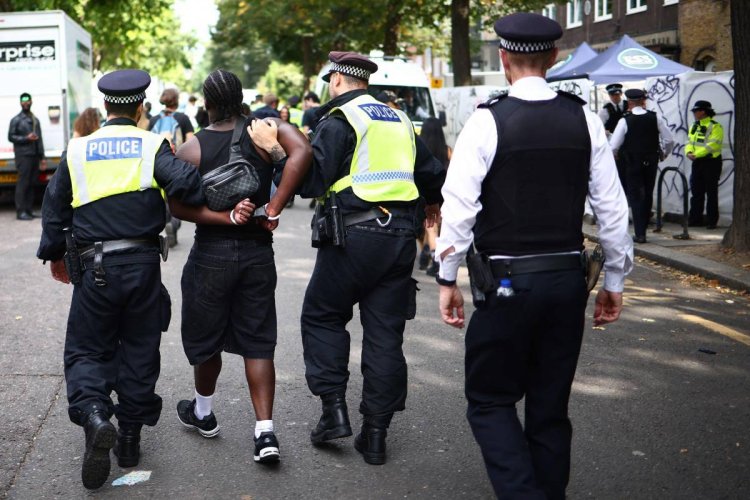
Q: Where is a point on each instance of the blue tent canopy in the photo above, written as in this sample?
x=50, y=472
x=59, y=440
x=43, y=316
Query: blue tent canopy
x=624, y=61
x=583, y=54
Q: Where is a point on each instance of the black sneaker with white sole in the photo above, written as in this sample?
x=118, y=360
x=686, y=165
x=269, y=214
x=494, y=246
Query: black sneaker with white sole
x=206, y=426
x=266, y=448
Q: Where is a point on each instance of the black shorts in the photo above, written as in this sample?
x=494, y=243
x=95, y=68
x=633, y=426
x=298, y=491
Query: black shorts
x=228, y=301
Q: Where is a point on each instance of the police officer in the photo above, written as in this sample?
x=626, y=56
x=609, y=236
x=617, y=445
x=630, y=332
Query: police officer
x=368, y=169
x=611, y=112
x=641, y=140
x=704, y=149
x=519, y=176
x=109, y=190
x=25, y=133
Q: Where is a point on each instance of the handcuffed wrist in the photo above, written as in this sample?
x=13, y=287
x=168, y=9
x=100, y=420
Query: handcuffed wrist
x=231, y=218
x=275, y=217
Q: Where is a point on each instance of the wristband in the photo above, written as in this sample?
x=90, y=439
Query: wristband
x=275, y=217
x=442, y=282
x=231, y=218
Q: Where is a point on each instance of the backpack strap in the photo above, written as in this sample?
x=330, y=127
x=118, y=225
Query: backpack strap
x=235, y=152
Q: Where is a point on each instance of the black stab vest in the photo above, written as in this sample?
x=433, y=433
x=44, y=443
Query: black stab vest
x=614, y=116
x=534, y=192
x=642, y=135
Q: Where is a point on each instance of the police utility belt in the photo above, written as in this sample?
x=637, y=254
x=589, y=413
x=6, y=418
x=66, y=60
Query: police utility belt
x=329, y=226
x=485, y=272
x=78, y=259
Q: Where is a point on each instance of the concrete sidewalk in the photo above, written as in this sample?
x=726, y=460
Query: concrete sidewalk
x=662, y=247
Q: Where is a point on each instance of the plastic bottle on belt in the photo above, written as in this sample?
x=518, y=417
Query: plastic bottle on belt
x=505, y=289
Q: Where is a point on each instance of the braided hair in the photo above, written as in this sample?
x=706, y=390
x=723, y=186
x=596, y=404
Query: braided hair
x=222, y=91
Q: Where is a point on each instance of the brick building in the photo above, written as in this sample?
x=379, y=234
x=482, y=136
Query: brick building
x=706, y=34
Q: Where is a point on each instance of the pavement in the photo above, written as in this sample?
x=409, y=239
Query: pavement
x=664, y=247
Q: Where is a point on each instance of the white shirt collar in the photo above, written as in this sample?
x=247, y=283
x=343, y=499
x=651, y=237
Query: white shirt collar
x=532, y=88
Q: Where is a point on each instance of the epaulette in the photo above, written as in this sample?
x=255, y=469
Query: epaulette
x=570, y=96
x=495, y=98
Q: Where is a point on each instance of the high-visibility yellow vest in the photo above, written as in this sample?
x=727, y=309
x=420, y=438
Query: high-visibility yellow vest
x=382, y=167
x=113, y=160
x=295, y=117
x=705, y=138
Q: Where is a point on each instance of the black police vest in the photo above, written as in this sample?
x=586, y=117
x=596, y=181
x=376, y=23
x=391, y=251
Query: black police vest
x=643, y=134
x=533, y=195
x=614, y=116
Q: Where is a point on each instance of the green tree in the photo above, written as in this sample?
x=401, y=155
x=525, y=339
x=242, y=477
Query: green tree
x=126, y=33
x=284, y=80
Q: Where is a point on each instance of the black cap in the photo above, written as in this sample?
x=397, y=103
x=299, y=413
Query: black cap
x=702, y=105
x=614, y=88
x=125, y=86
x=350, y=63
x=635, y=94
x=526, y=32
x=293, y=101
x=25, y=97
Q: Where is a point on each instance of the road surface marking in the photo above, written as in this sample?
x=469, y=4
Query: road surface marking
x=718, y=328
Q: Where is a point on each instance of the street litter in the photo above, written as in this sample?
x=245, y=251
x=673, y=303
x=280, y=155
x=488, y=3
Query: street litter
x=706, y=351
x=131, y=478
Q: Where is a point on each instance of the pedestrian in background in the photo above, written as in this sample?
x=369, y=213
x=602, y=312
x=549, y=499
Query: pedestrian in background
x=87, y=122
x=371, y=169
x=311, y=103
x=109, y=193
x=433, y=137
x=641, y=139
x=704, y=150
x=229, y=280
x=25, y=133
x=520, y=173
x=269, y=108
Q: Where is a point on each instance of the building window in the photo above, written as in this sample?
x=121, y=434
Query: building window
x=575, y=13
x=603, y=10
x=637, y=6
x=550, y=10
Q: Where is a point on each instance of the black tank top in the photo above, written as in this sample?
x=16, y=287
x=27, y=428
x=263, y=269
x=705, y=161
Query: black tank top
x=214, y=153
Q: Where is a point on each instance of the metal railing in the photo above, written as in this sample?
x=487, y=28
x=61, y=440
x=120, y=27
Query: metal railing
x=684, y=235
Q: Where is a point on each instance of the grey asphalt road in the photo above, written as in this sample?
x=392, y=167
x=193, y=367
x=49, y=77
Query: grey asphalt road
x=653, y=416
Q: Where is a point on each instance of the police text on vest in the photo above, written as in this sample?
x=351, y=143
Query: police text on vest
x=114, y=148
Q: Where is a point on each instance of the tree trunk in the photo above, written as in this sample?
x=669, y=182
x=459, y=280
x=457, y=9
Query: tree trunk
x=460, y=51
x=738, y=235
x=393, y=18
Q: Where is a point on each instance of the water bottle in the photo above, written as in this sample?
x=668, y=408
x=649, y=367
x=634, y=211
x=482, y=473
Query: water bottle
x=505, y=289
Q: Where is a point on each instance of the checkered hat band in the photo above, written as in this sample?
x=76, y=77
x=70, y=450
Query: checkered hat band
x=527, y=47
x=125, y=99
x=350, y=70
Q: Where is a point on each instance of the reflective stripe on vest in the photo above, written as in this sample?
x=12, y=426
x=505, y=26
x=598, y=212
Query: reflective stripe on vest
x=113, y=160
x=701, y=143
x=295, y=117
x=382, y=167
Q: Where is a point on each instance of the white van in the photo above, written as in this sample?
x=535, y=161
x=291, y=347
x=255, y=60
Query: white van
x=402, y=77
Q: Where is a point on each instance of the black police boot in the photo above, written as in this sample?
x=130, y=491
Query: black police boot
x=370, y=442
x=128, y=447
x=100, y=438
x=334, y=422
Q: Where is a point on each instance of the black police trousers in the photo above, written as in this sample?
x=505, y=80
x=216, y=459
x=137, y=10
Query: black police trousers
x=373, y=270
x=112, y=341
x=640, y=177
x=526, y=345
x=704, y=188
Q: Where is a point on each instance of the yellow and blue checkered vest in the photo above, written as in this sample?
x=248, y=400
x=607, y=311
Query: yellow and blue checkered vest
x=382, y=167
x=113, y=160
